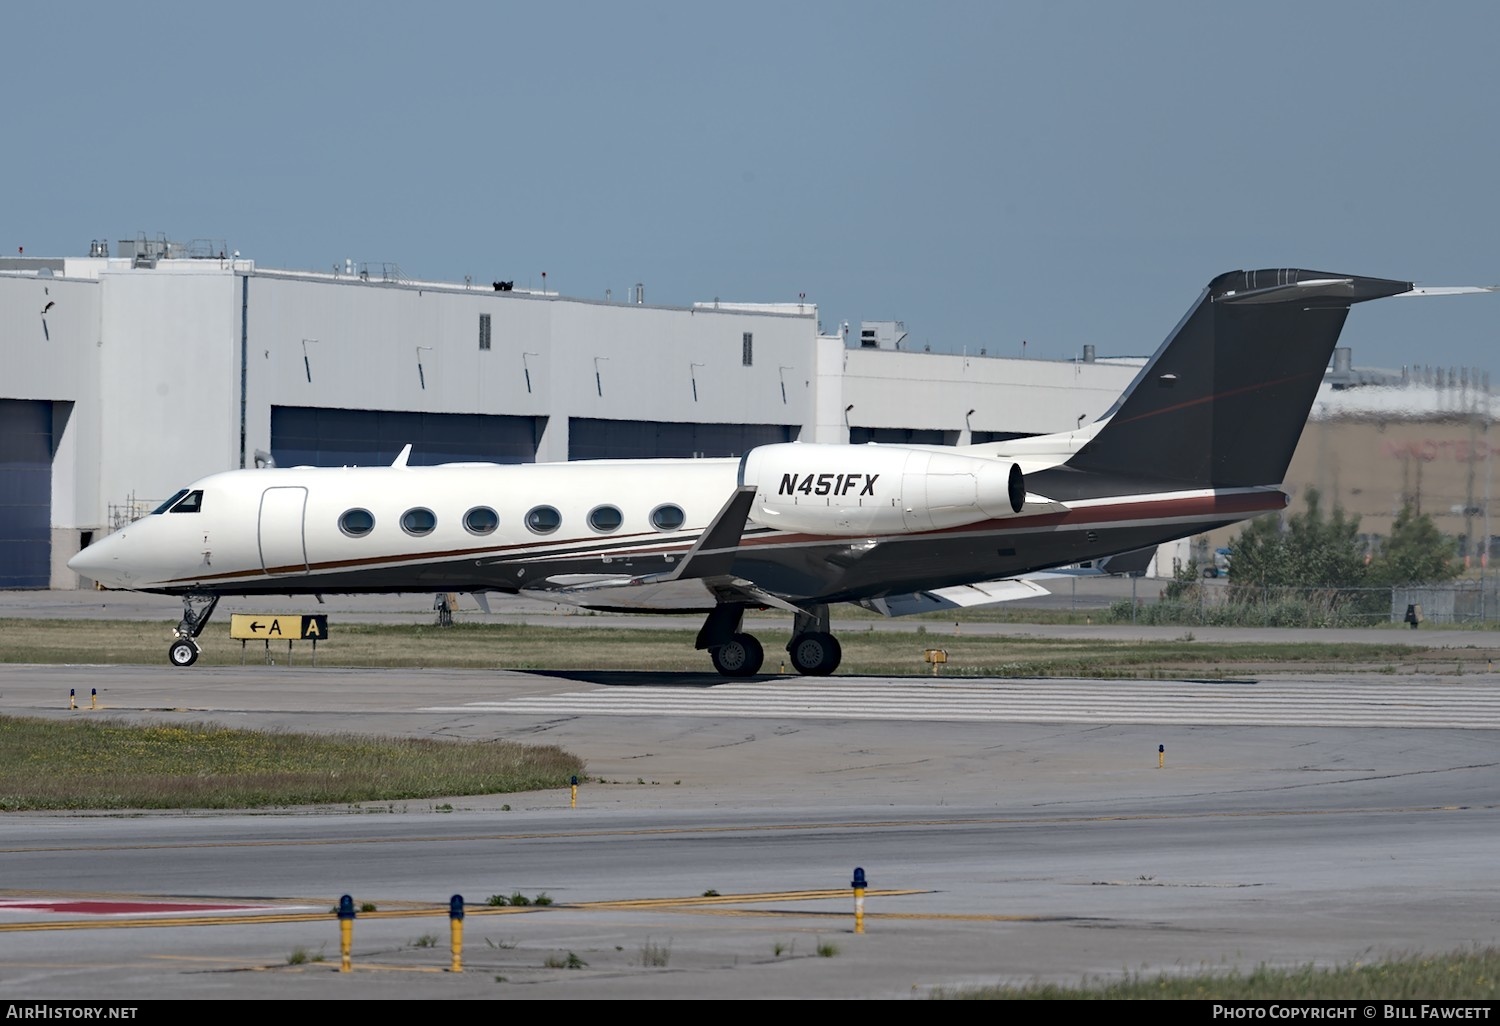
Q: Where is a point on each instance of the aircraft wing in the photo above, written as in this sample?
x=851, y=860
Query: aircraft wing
x=1010, y=589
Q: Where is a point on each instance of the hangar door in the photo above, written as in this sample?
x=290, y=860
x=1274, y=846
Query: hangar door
x=25, y=493
x=648, y=439
x=315, y=437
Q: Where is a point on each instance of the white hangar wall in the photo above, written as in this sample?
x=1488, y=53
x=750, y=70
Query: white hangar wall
x=49, y=390
x=349, y=345
x=931, y=392
x=623, y=362
x=168, y=407
x=354, y=345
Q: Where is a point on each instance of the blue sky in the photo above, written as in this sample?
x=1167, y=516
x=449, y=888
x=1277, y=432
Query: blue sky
x=1065, y=173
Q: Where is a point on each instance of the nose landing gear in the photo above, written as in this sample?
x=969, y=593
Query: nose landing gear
x=196, y=610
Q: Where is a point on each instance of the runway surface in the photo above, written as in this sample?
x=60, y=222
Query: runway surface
x=1010, y=830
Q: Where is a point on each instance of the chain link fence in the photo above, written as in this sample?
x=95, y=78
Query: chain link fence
x=1226, y=604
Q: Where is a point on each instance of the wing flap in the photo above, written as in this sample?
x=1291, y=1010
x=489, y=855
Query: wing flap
x=958, y=597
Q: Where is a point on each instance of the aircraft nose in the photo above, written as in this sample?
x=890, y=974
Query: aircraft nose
x=101, y=562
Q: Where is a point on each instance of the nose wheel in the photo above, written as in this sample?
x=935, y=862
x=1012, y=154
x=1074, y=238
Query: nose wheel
x=196, y=610
x=183, y=652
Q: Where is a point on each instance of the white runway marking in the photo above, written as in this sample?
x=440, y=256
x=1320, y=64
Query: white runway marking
x=1399, y=703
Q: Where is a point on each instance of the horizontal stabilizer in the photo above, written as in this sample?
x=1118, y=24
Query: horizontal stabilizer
x=962, y=596
x=1450, y=290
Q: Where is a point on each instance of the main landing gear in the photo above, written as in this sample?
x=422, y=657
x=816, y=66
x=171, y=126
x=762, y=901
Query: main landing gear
x=740, y=656
x=196, y=610
x=813, y=650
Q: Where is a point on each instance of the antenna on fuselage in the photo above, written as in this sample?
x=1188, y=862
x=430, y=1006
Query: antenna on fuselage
x=400, y=461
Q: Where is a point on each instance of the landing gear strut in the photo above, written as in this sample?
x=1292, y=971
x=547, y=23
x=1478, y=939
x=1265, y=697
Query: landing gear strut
x=196, y=610
x=734, y=653
x=813, y=650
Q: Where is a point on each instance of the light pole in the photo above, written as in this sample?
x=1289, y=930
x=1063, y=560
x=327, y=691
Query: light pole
x=1484, y=560
x=306, y=363
x=421, y=376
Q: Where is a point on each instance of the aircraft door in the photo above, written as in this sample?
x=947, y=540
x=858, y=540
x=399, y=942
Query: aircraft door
x=283, y=546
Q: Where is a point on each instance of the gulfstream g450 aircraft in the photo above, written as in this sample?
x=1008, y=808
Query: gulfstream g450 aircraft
x=1201, y=438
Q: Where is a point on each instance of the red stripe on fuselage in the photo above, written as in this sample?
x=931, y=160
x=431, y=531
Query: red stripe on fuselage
x=1235, y=506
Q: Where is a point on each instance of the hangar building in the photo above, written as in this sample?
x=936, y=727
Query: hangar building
x=128, y=374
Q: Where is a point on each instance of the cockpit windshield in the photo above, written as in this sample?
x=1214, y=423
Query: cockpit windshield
x=170, y=502
x=183, y=502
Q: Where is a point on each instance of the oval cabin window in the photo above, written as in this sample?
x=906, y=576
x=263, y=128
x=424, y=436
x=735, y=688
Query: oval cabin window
x=481, y=520
x=357, y=523
x=668, y=517
x=543, y=520
x=418, y=521
x=605, y=519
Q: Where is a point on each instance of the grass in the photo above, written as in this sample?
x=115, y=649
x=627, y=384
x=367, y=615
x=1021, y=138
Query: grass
x=581, y=647
x=106, y=764
x=655, y=955
x=1462, y=976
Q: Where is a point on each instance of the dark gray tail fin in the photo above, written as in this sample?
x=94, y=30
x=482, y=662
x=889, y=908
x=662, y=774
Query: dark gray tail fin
x=1224, y=400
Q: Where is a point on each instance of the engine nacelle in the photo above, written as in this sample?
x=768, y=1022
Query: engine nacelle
x=876, y=489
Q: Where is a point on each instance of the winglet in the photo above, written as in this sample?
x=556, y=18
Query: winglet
x=713, y=553
x=400, y=460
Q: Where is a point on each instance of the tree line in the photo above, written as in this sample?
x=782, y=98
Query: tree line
x=1318, y=550
x=1312, y=571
